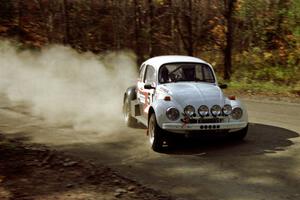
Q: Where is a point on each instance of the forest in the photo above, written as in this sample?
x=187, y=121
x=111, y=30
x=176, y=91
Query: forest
x=251, y=44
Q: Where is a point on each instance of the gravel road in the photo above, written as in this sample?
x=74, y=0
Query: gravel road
x=265, y=166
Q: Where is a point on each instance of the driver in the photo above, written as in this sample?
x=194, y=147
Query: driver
x=165, y=75
x=189, y=73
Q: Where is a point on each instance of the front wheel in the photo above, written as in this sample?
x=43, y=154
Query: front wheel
x=241, y=134
x=155, y=134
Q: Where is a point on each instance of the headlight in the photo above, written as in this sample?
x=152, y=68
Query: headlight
x=227, y=109
x=189, y=110
x=172, y=114
x=203, y=110
x=237, y=113
x=215, y=110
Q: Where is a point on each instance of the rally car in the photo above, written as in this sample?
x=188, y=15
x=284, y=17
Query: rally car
x=180, y=94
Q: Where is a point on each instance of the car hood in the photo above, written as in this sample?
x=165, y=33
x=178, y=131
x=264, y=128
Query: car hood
x=195, y=93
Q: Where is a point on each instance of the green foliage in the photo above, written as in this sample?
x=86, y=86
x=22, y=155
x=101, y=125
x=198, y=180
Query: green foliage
x=266, y=37
x=271, y=57
x=260, y=87
x=294, y=17
x=258, y=66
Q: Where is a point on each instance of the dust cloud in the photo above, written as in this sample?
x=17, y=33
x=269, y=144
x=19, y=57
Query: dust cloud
x=65, y=87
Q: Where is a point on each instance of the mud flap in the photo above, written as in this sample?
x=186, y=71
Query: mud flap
x=135, y=108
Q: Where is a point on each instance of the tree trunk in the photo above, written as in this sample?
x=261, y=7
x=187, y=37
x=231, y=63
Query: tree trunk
x=137, y=29
x=20, y=19
x=66, y=21
x=151, y=25
x=116, y=23
x=47, y=19
x=229, y=9
x=189, y=21
x=185, y=29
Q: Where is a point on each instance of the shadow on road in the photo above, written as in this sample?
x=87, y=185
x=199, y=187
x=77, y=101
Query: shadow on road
x=133, y=145
x=260, y=139
x=201, y=164
x=203, y=167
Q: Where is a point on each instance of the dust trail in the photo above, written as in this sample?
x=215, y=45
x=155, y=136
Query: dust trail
x=68, y=88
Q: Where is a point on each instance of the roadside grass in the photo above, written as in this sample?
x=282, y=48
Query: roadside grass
x=267, y=81
x=263, y=90
x=263, y=87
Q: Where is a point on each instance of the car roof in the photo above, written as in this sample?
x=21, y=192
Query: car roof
x=158, y=61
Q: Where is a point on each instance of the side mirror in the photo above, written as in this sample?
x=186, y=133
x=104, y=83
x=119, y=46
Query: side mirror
x=223, y=86
x=149, y=86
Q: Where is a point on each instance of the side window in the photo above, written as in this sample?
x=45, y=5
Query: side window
x=142, y=70
x=150, y=74
x=208, y=74
x=199, y=73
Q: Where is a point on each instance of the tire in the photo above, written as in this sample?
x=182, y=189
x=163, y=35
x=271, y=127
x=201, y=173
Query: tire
x=241, y=134
x=129, y=120
x=155, y=134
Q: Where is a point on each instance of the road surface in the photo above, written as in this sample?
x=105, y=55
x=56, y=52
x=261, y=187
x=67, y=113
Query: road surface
x=265, y=166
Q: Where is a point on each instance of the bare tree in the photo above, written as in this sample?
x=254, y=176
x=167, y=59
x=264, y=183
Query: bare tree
x=66, y=21
x=228, y=15
x=20, y=17
x=192, y=24
x=151, y=26
x=137, y=29
x=184, y=25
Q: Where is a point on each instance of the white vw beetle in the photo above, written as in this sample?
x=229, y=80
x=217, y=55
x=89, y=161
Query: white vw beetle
x=180, y=94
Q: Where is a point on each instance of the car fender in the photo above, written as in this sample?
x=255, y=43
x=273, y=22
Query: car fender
x=130, y=93
x=241, y=104
x=160, y=107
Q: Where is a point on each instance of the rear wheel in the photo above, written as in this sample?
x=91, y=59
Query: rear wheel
x=155, y=134
x=129, y=120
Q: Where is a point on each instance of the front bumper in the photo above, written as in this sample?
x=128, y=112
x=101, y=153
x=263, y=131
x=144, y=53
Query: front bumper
x=204, y=126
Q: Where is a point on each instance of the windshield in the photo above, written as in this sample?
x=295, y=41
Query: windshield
x=176, y=72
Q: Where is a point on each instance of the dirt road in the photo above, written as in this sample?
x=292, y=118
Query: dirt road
x=265, y=166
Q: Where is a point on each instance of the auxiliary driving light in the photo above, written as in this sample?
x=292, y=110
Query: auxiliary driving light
x=227, y=109
x=189, y=110
x=203, y=110
x=216, y=110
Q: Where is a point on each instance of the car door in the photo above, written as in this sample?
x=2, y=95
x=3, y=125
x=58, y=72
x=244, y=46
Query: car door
x=145, y=96
x=140, y=86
